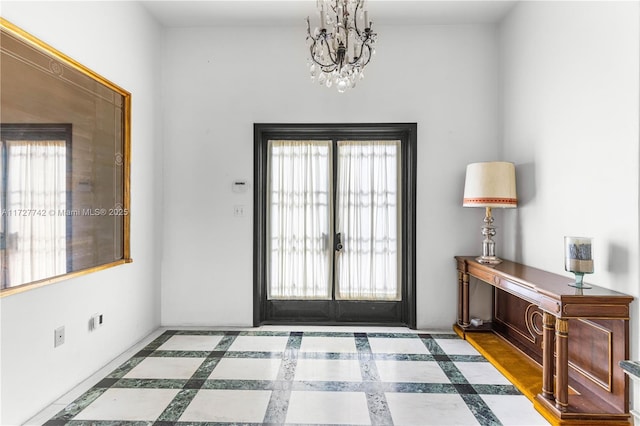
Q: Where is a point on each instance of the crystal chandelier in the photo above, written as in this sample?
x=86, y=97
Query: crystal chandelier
x=343, y=44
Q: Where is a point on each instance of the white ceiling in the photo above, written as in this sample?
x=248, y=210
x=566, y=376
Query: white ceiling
x=292, y=12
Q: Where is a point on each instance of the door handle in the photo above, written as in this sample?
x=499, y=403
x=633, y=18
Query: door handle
x=338, y=243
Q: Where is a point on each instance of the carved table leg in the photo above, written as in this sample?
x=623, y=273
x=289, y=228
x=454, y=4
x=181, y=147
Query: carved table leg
x=562, y=364
x=548, y=328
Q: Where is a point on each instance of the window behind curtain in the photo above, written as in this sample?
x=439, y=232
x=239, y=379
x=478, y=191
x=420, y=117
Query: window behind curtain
x=34, y=200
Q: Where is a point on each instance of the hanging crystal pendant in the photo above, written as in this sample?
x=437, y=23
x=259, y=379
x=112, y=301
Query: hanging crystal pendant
x=343, y=85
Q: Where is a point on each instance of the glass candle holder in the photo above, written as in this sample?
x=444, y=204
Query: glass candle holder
x=578, y=258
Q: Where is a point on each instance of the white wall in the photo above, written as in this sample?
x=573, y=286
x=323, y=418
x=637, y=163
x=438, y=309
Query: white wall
x=571, y=86
x=120, y=42
x=219, y=81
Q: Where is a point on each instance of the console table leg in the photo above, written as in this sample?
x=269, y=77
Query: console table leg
x=548, y=329
x=460, y=301
x=562, y=364
x=465, y=300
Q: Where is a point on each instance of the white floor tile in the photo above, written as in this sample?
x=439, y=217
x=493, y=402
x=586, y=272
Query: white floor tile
x=397, y=346
x=190, y=343
x=429, y=409
x=328, y=407
x=328, y=344
x=481, y=373
x=247, y=369
x=456, y=347
x=328, y=370
x=165, y=368
x=128, y=404
x=214, y=405
x=514, y=410
x=259, y=344
x=411, y=372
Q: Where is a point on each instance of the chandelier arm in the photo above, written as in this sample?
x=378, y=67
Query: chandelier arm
x=367, y=34
x=364, y=64
x=365, y=43
x=355, y=19
x=313, y=58
x=322, y=38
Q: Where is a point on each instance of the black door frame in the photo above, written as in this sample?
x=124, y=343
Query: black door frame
x=407, y=134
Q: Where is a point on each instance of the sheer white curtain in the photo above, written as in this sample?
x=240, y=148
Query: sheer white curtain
x=299, y=223
x=36, y=193
x=368, y=219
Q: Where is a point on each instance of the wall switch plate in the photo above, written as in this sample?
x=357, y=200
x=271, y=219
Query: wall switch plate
x=58, y=336
x=95, y=321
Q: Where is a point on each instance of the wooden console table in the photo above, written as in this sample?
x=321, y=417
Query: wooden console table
x=534, y=310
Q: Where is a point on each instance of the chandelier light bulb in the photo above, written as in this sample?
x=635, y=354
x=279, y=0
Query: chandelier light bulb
x=342, y=46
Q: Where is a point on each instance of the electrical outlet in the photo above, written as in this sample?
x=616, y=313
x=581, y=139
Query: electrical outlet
x=58, y=336
x=238, y=211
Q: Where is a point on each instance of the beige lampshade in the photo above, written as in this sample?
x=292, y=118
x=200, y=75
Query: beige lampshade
x=490, y=184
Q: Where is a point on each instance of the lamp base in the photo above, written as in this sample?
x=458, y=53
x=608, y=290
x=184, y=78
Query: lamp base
x=488, y=245
x=488, y=260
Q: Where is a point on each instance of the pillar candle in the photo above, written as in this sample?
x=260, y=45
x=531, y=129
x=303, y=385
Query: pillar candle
x=578, y=254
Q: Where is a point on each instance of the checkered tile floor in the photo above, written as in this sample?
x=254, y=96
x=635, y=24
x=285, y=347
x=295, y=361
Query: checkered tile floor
x=282, y=377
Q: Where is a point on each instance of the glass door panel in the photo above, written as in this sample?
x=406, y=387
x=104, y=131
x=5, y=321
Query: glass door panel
x=368, y=221
x=299, y=222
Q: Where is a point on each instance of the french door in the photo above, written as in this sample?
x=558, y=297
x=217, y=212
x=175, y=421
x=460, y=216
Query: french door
x=334, y=218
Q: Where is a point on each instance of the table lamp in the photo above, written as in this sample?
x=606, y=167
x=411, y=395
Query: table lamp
x=489, y=185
